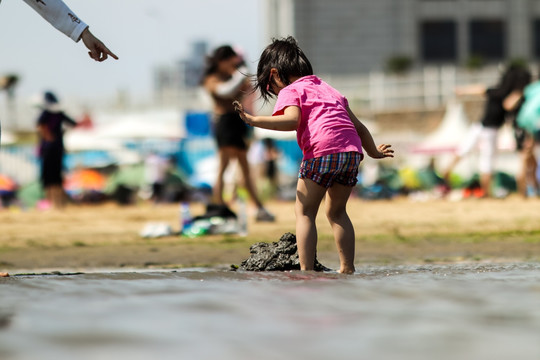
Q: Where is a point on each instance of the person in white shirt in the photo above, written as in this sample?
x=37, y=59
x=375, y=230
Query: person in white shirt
x=59, y=15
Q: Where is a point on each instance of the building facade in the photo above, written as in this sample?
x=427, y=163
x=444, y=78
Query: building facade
x=356, y=36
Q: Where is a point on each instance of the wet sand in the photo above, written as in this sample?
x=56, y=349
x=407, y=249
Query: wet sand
x=388, y=232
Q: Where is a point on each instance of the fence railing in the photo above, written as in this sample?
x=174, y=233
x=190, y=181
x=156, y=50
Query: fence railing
x=430, y=87
x=19, y=163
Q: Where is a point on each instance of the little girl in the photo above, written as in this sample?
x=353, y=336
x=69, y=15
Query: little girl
x=331, y=138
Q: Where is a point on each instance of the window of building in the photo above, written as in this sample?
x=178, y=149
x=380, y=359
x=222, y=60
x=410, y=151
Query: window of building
x=487, y=39
x=439, y=40
x=536, y=38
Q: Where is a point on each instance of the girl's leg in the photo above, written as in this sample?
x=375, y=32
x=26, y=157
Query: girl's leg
x=262, y=213
x=224, y=159
x=308, y=199
x=336, y=212
x=248, y=181
x=58, y=196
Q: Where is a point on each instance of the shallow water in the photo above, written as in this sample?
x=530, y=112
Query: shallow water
x=487, y=311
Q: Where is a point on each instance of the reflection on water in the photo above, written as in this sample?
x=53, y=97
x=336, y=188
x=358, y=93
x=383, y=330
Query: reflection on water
x=488, y=311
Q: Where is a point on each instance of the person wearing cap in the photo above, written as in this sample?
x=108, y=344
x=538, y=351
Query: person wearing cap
x=51, y=148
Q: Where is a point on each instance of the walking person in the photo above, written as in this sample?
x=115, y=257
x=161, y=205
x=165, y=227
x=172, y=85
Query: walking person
x=225, y=80
x=331, y=138
x=484, y=133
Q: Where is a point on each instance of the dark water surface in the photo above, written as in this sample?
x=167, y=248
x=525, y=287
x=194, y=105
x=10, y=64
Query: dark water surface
x=463, y=311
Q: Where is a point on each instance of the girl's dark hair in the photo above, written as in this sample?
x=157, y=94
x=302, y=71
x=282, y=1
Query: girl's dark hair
x=286, y=56
x=224, y=52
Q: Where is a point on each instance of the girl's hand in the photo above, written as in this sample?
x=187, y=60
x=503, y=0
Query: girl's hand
x=385, y=150
x=240, y=110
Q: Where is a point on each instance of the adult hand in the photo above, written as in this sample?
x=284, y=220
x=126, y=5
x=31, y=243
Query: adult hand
x=98, y=50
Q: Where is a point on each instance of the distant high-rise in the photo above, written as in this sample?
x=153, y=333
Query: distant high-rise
x=353, y=36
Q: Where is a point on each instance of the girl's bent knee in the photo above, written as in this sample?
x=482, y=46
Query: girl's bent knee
x=335, y=215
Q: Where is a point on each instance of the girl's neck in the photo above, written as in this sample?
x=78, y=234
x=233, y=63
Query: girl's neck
x=293, y=79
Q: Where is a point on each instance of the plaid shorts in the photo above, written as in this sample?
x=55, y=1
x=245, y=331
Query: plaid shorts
x=325, y=170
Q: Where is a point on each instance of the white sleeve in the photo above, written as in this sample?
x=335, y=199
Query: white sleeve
x=229, y=88
x=60, y=16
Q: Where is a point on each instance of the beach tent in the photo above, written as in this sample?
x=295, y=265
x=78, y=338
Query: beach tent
x=84, y=139
x=447, y=137
x=137, y=129
x=156, y=124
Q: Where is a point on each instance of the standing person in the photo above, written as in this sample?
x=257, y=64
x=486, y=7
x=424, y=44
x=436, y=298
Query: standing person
x=225, y=80
x=51, y=149
x=484, y=133
x=331, y=138
x=155, y=171
x=528, y=119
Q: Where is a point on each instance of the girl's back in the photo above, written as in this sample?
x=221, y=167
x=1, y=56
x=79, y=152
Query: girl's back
x=325, y=127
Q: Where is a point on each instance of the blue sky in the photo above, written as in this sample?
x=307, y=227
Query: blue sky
x=144, y=34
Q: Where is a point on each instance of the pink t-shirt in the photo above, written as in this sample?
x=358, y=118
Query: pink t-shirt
x=325, y=127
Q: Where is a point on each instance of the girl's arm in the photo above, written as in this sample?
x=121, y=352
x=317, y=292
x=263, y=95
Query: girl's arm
x=376, y=152
x=471, y=90
x=286, y=122
x=229, y=89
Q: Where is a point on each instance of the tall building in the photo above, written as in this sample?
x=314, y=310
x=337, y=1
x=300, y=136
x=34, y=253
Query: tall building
x=350, y=36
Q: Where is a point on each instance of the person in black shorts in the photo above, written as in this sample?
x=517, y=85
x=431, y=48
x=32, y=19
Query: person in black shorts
x=225, y=80
x=51, y=149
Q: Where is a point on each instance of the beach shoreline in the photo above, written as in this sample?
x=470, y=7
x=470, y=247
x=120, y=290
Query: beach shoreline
x=399, y=231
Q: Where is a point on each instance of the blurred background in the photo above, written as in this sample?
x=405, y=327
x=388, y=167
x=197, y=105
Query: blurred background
x=397, y=61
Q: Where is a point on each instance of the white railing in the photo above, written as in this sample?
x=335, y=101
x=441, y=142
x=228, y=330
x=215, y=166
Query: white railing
x=430, y=87
x=19, y=163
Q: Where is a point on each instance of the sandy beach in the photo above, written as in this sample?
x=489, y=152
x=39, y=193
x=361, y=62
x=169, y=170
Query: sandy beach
x=398, y=231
